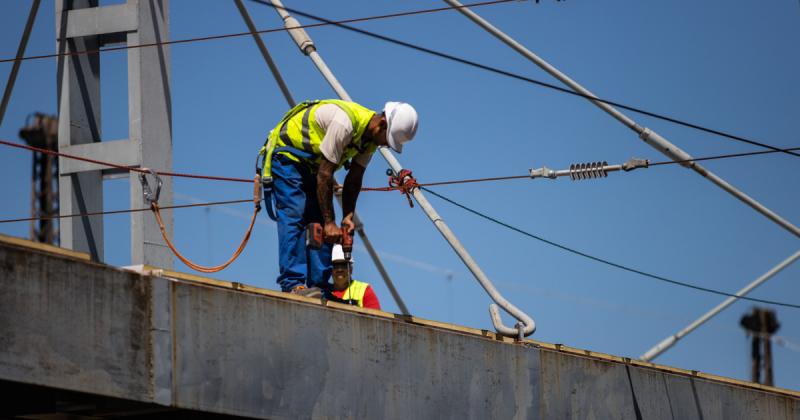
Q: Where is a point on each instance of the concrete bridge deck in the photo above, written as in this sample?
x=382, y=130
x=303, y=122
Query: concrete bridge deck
x=77, y=337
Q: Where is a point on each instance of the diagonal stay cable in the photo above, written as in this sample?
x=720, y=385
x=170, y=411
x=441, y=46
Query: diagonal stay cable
x=604, y=261
x=528, y=79
x=342, y=24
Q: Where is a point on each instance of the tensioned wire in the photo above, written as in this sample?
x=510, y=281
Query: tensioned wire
x=429, y=184
x=422, y=186
x=602, y=260
x=241, y=34
x=496, y=70
x=342, y=24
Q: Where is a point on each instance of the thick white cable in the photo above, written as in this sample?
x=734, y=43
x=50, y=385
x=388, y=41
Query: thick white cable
x=649, y=136
x=528, y=325
x=356, y=219
x=670, y=341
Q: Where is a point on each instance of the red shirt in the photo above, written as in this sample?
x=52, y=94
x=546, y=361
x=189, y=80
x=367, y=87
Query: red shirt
x=370, y=299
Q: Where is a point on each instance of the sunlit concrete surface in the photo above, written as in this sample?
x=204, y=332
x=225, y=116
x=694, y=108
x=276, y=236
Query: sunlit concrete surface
x=162, y=342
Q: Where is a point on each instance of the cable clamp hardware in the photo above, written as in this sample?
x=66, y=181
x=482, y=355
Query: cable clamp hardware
x=635, y=163
x=543, y=172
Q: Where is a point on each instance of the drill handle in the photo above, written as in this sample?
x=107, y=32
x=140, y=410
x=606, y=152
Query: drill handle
x=347, y=240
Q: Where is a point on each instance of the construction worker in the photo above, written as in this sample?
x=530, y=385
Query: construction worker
x=346, y=289
x=311, y=142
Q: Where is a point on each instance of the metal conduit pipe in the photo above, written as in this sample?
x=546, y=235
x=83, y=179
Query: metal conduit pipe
x=526, y=325
x=290, y=100
x=647, y=135
x=670, y=341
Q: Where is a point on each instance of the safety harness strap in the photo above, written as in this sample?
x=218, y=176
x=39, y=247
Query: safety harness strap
x=268, y=184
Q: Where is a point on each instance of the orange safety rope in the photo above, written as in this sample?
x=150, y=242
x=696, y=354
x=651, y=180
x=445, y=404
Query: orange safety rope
x=405, y=183
x=242, y=245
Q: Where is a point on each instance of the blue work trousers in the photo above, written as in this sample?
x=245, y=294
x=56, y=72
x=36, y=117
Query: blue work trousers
x=296, y=205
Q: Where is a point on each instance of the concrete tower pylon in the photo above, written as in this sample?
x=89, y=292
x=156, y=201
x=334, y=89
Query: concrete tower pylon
x=83, y=25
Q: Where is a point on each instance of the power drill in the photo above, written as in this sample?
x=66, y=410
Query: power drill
x=347, y=245
x=315, y=237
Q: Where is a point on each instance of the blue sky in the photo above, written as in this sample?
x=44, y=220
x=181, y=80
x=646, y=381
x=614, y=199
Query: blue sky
x=729, y=65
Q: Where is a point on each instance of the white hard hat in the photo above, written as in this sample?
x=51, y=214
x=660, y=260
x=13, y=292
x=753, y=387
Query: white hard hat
x=401, y=120
x=337, y=255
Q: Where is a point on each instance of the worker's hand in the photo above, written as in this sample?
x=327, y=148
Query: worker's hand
x=347, y=223
x=333, y=235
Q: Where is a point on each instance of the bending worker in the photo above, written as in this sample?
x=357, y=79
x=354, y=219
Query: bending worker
x=346, y=289
x=312, y=141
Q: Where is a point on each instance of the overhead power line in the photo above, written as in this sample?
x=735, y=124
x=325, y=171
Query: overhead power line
x=108, y=212
x=342, y=24
x=118, y=166
x=428, y=184
x=529, y=176
x=725, y=156
x=241, y=34
x=422, y=186
x=604, y=261
x=496, y=70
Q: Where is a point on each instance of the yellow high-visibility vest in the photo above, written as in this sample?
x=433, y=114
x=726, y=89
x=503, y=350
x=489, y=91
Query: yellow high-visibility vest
x=356, y=292
x=299, y=129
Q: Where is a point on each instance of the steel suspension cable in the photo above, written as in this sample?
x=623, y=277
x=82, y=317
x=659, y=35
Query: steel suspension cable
x=517, y=76
x=428, y=184
x=662, y=163
x=241, y=34
x=421, y=186
x=117, y=166
x=217, y=178
x=605, y=261
x=342, y=24
x=124, y=211
x=725, y=156
x=525, y=325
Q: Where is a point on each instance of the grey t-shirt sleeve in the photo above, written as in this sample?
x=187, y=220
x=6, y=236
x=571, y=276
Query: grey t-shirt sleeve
x=338, y=134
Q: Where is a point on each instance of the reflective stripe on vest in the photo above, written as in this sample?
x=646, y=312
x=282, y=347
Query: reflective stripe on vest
x=356, y=292
x=299, y=129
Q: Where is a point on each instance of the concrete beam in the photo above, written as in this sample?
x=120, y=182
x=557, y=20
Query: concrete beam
x=102, y=20
x=122, y=152
x=211, y=346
